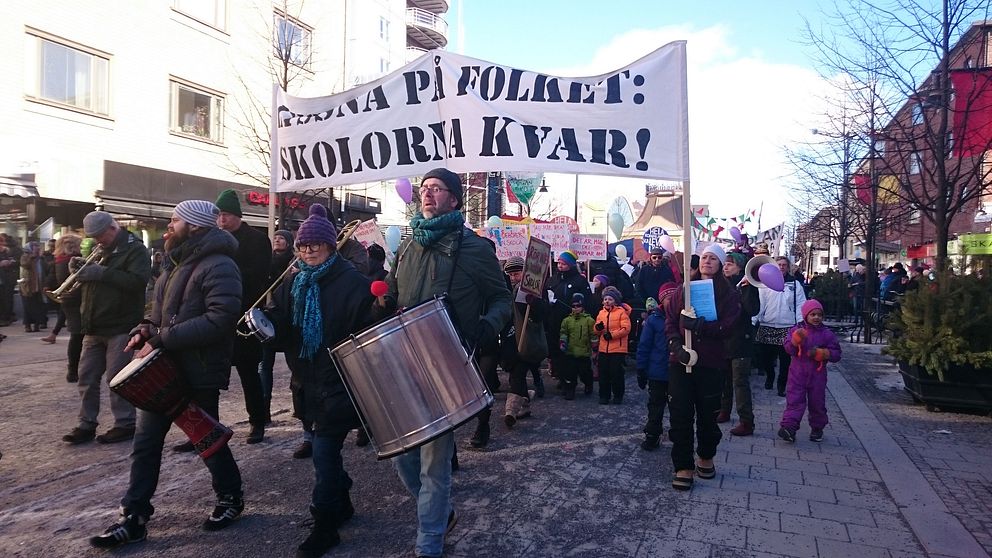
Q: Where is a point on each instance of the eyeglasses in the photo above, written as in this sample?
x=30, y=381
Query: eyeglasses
x=434, y=190
x=309, y=248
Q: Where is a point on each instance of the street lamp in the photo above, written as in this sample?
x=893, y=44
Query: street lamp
x=809, y=259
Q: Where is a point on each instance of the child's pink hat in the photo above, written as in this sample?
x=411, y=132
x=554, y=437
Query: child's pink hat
x=810, y=305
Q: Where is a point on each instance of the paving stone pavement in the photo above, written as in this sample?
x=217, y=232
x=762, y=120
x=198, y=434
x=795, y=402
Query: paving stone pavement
x=570, y=481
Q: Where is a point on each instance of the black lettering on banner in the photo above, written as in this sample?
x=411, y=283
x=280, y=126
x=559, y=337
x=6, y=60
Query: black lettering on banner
x=467, y=79
x=546, y=89
x=376, y=139
x=438, y=79
x=493, y=78
x=324, y=159
x=416, y=82
x=575, y=91
x=613, y=87
x=347, y=166
x=513, y=87
x=376, y=97
x=491, y=136
x=617, y=141
x=566, y=140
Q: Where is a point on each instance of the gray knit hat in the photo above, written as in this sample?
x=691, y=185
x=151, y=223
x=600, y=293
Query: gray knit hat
x=197, y=212
x=96, y=222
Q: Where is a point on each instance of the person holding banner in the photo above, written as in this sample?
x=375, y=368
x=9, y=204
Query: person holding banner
x=443, y=256
x=696, y=378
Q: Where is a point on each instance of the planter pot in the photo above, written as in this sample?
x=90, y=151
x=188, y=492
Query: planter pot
x=963, y=387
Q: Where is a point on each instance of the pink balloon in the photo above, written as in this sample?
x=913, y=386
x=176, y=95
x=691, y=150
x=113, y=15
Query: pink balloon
x=404, y=189
x=736, y=233
x=667, y=244
x=771, y=277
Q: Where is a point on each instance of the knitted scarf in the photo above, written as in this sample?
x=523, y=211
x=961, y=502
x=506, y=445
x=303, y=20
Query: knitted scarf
x=307, y=313
x=428, y=231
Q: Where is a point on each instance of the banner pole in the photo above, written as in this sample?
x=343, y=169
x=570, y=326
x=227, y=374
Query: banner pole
x=273, y=159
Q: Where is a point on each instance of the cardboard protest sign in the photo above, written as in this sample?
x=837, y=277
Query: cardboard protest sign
x=510, y=240
x=555, y=234
x=536, y=266
x=589, y=246
x=368, y=233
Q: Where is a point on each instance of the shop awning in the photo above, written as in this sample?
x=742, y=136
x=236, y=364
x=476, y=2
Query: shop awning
x=21, y=186
x=135, y=208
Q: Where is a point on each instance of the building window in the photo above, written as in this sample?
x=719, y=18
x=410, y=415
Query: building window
x=915, y=163
x=210, y=12
x=917, y=114
x=384, y=29
x=914, y=217
x=69, y=76
x=197, y=113
x=383, y=66
x=291, y=41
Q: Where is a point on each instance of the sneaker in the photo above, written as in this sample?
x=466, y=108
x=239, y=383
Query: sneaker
x=228, y=508
x=318, y=542
x=723, y=417
x=304, y=450
x=787, y=434
x=651, y=443
x=816, y=435
x=256, y=434
x=184, y=447
x=116, y=434
x=130, y=529
x=362, y=439
x=79, y=436
x=742, y=429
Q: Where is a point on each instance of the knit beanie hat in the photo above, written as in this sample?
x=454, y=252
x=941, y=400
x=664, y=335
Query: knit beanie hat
x=577, y=298
x=197, y=212
x=650, y=304
x=569, y=258
x=666, y=290
x=513, y=263
x=810, y=305
x=604, y=281
x=613, y=293
x=286, y=235
x=451, y=182
x=228, y=202
x=656, y=251
x=317, y=228
x=96, y=222
x=739, y=258
x=717, y=251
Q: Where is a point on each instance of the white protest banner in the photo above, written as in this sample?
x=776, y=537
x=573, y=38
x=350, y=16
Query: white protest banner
x=555, y=234
x=510, y=240
x=449, y=110
x=589, y=246
x=536, y=266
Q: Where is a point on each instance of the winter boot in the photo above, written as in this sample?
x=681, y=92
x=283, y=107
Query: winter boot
x=742, y=429
x=481, y=437
x=513, y=405
x=538, y=383
x=650, y=442
x=524, y=411
x=570, y=391
x=323, y=537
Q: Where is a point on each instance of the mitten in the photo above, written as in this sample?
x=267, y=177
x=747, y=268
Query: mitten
x=821, y=354
x=600, y=326
x=798, y=336
x=642, y=378
x=607, y=335
x=690, y=324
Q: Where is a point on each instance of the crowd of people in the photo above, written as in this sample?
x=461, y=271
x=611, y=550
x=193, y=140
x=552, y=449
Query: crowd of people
x=582, y=331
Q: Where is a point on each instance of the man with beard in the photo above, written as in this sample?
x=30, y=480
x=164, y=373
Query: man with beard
x=253, y=259
x=113, y=300
x=443, y=256
x=195, y=307
x=652, y=276
x=565, y=284
x=740, y=346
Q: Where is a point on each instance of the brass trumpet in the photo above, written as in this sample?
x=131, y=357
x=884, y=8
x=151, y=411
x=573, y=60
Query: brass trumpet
x=70, y=285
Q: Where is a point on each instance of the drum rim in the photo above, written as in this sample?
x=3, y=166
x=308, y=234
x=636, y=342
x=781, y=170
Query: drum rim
x=259, y=323
x=121, y=377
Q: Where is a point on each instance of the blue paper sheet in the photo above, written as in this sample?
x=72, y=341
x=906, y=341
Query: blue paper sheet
x=703, y=299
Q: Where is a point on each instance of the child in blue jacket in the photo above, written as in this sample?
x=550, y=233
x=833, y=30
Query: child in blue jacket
x=652, y=366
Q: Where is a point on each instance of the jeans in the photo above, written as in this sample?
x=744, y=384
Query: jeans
x=737, y=384
x=657, y=398
x=693, y=397
x=103, y=354
x=146, y=458
x=331, y=481
x=611, y=378
x=426, y=473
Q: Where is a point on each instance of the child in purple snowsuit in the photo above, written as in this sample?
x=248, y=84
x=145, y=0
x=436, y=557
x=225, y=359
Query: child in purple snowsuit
x=811, y=345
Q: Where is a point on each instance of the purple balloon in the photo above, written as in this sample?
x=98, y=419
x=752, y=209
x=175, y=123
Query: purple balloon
x=771, y=277
x=404, y=189
x=736, y=233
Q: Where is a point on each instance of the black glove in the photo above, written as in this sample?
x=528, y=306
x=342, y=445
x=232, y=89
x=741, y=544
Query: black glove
x=485, y=335
x=642, y=378
x=600, y=326
x=531, y=299
x=675, y=345
x=91, y=272
x=690, y=324
x=684, y=356
x=607, y=335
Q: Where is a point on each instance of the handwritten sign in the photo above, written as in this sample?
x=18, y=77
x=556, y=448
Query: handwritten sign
x=556, y=234
x=589, y=246
x=536, y=266
x=510, y=240
x=368, y=233
x=652, y=237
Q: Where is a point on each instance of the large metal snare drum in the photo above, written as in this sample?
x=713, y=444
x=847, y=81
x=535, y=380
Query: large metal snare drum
x=411, y=379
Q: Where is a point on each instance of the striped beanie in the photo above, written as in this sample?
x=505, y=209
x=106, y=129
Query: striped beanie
x=569, y=258
x=197, y=212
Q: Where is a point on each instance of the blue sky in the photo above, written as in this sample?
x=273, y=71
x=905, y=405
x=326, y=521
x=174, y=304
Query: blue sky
x=752, y=88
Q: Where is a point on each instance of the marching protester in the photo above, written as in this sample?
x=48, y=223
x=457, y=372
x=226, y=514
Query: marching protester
x=612, y=327
x=10, y=270
x=253, y=254
x=195, y=307
x=327, y=300
x=778, y=313
x=694, y=399
x=32, y=284
x=443, y=256
x=652, y=365
x=529, y=342
x=811, y=345
x=565, y=283
x=112, y=301
x=652, y=276
x=740, y=345
x=575, y=342
x=66, y=248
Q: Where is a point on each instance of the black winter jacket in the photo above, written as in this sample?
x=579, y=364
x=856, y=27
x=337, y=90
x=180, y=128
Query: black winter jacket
x=115, y=304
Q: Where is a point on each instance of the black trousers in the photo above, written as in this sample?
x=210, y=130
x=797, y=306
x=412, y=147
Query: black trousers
x=657, y=398
x=611, y=380
x=576, y=368
x=246, y=358
x=693, y=398
x=768, y=354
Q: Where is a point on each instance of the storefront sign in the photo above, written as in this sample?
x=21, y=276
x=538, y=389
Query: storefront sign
x=975, y=244
x=262, y=198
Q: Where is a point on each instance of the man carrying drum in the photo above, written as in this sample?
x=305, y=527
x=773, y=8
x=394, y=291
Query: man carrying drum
x=325, y=302
x=443, y=256
x=196, y=305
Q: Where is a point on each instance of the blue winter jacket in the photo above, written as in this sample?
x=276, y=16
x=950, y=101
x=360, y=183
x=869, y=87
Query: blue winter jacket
x=652, y=350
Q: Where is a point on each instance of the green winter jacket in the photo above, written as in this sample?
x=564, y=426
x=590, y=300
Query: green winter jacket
x=116, y=302
x=577, y=333
x=478, y=290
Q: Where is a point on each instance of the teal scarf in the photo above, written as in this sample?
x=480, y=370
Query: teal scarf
x=428, y=231
x=307, y=313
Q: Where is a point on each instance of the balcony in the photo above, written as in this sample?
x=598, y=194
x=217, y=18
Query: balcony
x=426, y=29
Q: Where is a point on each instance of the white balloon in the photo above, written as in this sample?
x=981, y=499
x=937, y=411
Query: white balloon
x=494, y=221
x=392, y=238
x=667, y=244
x=621, y=252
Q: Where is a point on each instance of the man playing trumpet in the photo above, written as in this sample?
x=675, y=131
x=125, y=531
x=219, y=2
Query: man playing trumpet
x=113, y=300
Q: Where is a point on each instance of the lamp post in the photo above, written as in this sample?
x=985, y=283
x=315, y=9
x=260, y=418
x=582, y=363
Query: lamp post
x=809, y=259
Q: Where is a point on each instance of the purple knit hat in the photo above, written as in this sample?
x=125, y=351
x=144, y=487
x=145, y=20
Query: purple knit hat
x=317, y=228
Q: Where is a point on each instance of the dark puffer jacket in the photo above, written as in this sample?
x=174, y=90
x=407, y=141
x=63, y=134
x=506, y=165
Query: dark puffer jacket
x=197, y=302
